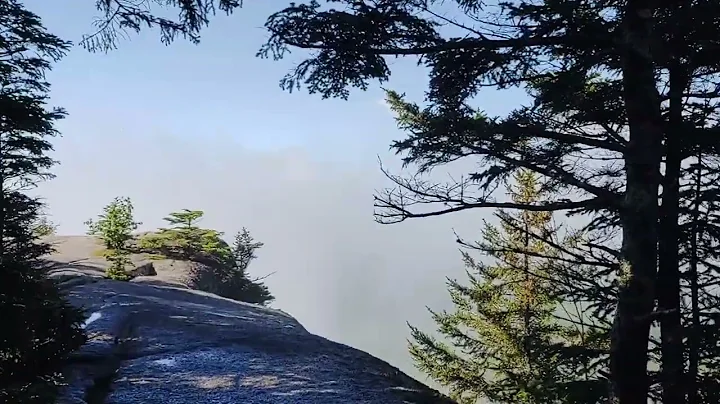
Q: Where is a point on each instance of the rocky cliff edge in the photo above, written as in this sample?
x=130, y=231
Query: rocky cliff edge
x=156, y=343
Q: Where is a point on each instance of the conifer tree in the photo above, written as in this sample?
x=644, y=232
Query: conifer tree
x=225, y=267
x=193, y=239
x=700, y=254
x=43, y=226
x=239, y=284
x=506, y=342
x=39, y=327
x=114, y=227
x=185, y=239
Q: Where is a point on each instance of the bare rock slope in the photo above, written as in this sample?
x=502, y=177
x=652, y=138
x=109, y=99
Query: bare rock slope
x=159, y=343
x=82, y=255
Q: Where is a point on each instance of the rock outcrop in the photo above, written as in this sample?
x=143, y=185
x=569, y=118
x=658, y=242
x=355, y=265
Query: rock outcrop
x=82, y=255
x=146, y=269
x=158, y=343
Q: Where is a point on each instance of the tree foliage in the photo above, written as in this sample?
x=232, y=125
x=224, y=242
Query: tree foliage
x=185, y=219
x=239, y=285
x=43, y=226
x=185, y=240
x=512, y=337
x=118, y=17
x=115, y=227
x=39, y=327
x=243, y=250
x=27, y=123
x=225, y=266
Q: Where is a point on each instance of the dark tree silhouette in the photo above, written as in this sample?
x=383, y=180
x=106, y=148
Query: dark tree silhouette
x=39, y=327
x=119, y=17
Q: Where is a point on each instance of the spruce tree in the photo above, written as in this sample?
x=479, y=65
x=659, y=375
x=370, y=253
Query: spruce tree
x=186, y=240
x=700, y=254
x=39, y=327
x=193, y=240
x=239, y=285
x=506, y=344
x=115, y=227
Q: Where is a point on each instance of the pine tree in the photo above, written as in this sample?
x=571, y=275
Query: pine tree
x=186, y=219
x=186, y=240
x=243, y=250
x=700, y=254
x=193, y=240
x=506, y=343
x=39, y=327
x=114, y=227
x=239, y=285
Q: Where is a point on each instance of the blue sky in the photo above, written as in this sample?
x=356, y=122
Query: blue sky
x=217, y=89
x=207, y=127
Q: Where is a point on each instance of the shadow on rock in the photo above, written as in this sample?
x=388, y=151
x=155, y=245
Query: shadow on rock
x=190, y=347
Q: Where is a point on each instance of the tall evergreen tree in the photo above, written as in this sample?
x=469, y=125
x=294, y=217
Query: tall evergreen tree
x=39, y=327
x=700, y=255
x=507, y=344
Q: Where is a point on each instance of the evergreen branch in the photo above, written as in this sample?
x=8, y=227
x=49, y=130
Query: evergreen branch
x=604, y=196
x=552, y=244
x=544, y=256
x=464, y=44
x=262, y=278
x=393, y=206
x=404, y=213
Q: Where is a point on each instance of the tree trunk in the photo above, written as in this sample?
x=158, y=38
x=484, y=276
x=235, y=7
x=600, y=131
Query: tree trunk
x=694, y=337
x=639, y=214
x=668, y=282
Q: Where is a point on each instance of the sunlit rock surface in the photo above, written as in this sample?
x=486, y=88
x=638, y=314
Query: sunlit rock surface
x=166, y=345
